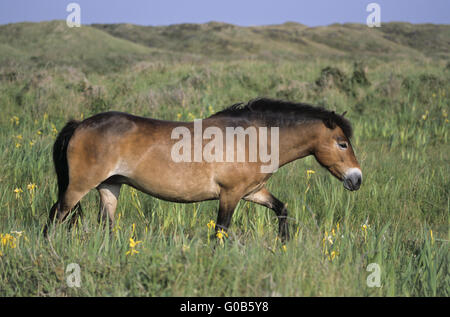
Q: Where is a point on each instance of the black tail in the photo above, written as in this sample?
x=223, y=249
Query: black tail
x=60, y=156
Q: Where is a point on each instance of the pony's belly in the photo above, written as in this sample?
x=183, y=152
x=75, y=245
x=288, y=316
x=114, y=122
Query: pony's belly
x=176, y=189
x=173, y=194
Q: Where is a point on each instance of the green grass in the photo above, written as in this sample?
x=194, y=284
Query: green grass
x=401, y=140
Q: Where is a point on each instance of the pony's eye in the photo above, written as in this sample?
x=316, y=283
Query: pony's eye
x=343, y=145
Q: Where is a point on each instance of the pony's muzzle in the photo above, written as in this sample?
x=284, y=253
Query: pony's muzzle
x=353, y=179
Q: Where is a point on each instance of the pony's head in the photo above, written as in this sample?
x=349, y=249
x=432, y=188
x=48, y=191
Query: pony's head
x=334, y=151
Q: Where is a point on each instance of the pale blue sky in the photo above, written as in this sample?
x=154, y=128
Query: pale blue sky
x=240, y=12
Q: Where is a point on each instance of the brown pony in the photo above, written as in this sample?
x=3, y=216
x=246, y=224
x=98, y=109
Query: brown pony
x=110, y=149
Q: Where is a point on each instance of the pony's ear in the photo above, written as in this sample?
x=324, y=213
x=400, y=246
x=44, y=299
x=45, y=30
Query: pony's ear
x=329, y=122
x=344, y=113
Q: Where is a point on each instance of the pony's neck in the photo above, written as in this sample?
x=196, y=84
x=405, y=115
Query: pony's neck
x=297, y=141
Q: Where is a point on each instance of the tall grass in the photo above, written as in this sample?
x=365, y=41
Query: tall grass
x=398, y=219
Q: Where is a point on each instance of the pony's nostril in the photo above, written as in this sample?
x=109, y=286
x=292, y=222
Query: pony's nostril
x=356, y=181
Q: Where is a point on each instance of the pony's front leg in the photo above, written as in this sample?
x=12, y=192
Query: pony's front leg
x=227, y=203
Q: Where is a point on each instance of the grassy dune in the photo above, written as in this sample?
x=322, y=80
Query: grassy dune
x=397, y=100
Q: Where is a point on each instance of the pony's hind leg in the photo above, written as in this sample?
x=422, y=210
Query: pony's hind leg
x=69, y=202
x=62, y=208
x=265, y=198
x=109, y=194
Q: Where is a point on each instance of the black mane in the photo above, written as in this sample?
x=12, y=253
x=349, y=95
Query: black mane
x=277, y=111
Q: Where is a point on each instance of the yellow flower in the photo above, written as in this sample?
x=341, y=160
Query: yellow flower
x=4, y=239
x=178, y=116
x=39, y=132
x=15, y=120
x=18, y=191
x=133, y=243
x=364, y=229
x=54, y=130
x=31, y=187
x=309, y=172
x=131, y=252
x=284, y=248
x=333, y=255
x=7, y=239
x=308, y=176
x=431, y=235
x=18, y=145
x=211, y=224
x=31, y=143
x=19, y=137
x=221, y=233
